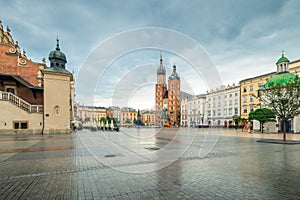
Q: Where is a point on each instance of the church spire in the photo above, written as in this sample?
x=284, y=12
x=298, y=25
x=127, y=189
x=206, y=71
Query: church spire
x=57, y=43
x=161, y=69
x=161, y=60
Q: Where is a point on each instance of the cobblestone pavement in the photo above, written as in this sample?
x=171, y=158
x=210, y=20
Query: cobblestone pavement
x=63, y=167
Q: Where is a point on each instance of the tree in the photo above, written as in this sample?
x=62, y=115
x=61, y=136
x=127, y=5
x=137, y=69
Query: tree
x=103, y=119
x=87, y=119
x=238, y=119
x=283, y=98
x=262, y=115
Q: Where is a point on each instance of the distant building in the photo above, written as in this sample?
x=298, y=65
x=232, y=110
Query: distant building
x=196, y=110
x=222, y=105
x=117, y=114
x=148, y=117
x=129, y=116
x=167, y=97
x=34, y=98
x=90, y=114
x=282, y=76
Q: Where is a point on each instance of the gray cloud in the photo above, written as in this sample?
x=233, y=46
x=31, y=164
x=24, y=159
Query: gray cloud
x=243, y=38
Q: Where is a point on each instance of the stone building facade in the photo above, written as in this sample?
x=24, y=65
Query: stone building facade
x=34, y=98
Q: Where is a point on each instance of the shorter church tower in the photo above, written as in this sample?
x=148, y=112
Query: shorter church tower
x=174, y=98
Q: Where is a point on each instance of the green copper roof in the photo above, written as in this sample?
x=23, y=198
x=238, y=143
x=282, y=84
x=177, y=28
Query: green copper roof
x=282, y=59
x=280, y=79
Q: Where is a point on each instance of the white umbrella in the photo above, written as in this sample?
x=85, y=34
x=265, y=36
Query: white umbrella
x=106, y=124
x=112, y=124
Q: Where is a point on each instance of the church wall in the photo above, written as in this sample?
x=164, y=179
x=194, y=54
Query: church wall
x=11, y=114
x=56, y=103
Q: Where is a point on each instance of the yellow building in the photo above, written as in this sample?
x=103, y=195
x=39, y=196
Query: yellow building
x=249, y=89
x=129, y=116
x=249, y=92
x=148, y=118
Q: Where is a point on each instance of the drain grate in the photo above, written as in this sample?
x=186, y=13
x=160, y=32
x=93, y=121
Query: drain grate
x=110, y=156
x=153, y=148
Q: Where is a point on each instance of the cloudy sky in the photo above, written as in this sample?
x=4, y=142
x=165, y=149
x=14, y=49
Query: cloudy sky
x=242, y=39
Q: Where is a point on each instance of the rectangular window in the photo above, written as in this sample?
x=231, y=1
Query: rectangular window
x=235, y=101
x=24, y=125
x=230, y=111
x=16, y=125
x=236, y=111
x=20, y=125
x=244, y=89
x=244, y=99
x=244, y=109
x=251, y=108
x=251, y=88
x=251, y=98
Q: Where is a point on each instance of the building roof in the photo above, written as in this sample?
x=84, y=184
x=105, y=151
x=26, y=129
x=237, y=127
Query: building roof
x=282, y=59
x=255, y=77
x=280, y=79
x=22, y=81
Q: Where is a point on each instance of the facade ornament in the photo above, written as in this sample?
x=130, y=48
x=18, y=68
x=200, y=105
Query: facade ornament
x=22, y=61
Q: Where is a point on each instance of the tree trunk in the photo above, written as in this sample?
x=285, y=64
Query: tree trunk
x=284, y=130
x=262, y=127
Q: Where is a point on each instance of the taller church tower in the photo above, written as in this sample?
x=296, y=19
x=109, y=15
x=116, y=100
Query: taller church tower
x=160, y=89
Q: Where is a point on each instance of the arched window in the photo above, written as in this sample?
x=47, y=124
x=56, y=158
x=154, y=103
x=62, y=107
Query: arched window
x=56, y=110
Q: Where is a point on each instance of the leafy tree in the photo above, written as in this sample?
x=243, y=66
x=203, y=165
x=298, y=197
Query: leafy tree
x=87, y=119
x=103, y=119
x=262, y=115
x=238, y=120
x=283, y=99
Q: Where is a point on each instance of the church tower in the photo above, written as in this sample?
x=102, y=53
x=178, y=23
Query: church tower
x=174, y=98
x=160, y=89
x=58, y=94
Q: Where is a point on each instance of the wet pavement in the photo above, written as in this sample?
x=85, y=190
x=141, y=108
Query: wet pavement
x=142, y=164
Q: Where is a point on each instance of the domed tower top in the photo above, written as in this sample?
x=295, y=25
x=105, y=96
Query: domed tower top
x=283, y=75
x=174, y=75
x=57, y=58
x=282, y=64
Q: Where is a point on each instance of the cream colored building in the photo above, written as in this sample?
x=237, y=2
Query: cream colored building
x=222, y=105
x=148, y=117
x=90, y=114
